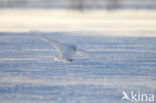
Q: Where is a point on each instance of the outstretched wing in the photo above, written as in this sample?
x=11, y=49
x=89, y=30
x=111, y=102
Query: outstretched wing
x=85, y=54
x=59, y=46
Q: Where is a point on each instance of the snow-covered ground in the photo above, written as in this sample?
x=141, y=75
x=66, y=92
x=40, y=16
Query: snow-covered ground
x=123, y=43
x=28, y=73
x=120, y=22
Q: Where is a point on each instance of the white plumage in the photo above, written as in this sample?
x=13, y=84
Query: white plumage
x=66, y=52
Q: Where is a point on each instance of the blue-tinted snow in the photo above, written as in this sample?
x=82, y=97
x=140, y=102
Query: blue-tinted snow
x=28, y=73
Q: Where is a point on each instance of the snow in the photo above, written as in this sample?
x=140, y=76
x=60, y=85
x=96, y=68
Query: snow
x=102, y=22
x=28, y=73
x=123, y=42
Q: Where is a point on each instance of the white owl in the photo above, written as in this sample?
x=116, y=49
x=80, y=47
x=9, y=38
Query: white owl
x=66, y=52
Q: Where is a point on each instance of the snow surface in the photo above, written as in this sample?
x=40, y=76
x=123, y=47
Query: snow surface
x=28, y=73
x=102, y=22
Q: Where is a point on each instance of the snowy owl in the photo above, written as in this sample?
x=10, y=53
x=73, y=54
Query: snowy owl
x=66, y=52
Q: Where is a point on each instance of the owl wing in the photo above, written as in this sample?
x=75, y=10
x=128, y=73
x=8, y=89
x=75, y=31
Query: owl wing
x=85, y=54
x=60, y=47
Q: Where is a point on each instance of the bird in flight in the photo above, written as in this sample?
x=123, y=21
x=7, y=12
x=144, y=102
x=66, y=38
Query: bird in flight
x=66, y=52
